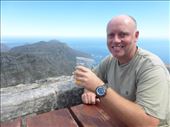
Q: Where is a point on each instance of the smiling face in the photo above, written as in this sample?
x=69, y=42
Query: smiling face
x=122, y=37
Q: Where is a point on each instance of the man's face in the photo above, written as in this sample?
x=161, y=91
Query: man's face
x=121, y=39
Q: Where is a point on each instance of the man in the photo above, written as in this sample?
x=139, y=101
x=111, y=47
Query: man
x=131, y=83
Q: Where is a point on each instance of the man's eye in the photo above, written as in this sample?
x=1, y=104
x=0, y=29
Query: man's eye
x=123, y=34
x=111, y=35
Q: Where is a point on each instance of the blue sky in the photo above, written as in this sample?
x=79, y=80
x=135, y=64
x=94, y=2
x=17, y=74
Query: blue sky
x=80, y=18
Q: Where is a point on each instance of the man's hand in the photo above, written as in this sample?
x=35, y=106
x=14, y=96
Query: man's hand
x=89, y=97
x=87, y=78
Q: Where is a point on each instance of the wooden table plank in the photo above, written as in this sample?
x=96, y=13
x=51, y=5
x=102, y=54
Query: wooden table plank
x=92, y=116
x=57, y=118
x=15, y=123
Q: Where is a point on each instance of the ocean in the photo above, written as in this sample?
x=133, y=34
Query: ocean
x=97, y=47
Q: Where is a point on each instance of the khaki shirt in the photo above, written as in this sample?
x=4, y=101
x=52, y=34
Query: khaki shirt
x=144, y=80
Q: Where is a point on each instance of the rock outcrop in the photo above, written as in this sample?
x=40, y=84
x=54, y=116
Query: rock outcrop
x=39, y=97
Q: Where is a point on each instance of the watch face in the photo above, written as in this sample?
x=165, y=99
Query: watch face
x=101, y=91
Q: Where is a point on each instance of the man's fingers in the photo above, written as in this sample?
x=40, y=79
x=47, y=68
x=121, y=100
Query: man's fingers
x=78, y=75
x=85, y=98
x=93, y=99
x=89, y=98
x=82, y=68
x=97, y=100
x=79, y=79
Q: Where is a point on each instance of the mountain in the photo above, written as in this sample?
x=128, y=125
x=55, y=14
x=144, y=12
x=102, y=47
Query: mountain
x=25, y=64
x=4, y=48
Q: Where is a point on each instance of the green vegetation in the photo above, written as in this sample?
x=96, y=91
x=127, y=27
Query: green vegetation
x=25, y=64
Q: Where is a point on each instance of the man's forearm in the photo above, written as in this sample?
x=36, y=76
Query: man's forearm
x=126, y=111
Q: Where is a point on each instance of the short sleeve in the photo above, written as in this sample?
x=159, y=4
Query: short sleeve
x=153, y=91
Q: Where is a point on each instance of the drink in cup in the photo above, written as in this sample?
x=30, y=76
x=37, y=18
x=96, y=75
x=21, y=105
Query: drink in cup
x=86, y=62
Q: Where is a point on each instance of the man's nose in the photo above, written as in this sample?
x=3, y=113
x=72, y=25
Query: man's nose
x=116, y=39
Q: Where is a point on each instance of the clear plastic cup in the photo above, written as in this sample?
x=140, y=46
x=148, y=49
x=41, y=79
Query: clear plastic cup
x=86, y=62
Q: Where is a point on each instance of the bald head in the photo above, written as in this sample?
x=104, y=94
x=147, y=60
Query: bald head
x=123, y=19
x=122, y=36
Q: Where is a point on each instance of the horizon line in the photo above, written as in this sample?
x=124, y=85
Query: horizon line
x=53, y=36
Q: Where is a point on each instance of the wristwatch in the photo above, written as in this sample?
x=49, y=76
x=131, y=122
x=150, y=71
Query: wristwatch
x=101, y=90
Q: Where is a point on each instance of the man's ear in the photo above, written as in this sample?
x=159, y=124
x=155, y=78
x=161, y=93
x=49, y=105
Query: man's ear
x=136, y=36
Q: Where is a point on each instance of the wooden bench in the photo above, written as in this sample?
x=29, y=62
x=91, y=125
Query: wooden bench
x=77, y=116
x=15, y=123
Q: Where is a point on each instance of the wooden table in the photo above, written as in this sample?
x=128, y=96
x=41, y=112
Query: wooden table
x=15, y=123
x=77, y=116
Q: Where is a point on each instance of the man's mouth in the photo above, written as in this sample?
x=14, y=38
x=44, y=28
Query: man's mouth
x=118, y=46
